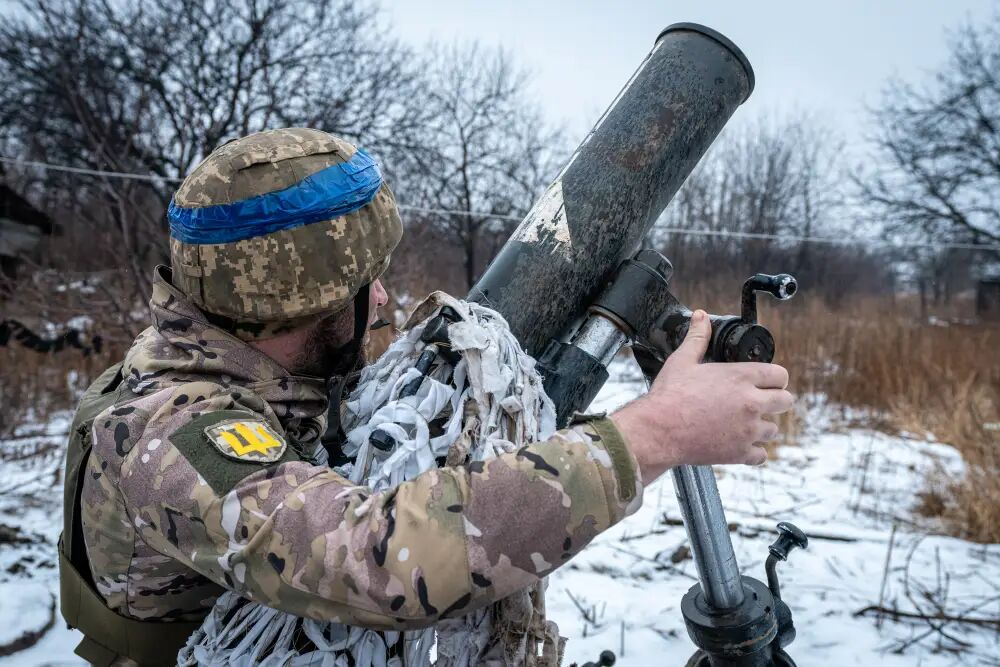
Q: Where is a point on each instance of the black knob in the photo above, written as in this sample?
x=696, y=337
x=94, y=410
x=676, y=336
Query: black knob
x=436, y=334
x=382, y=440
x=789, y=537
x=782, y=286
x=744, y=342
x=606, y=660
x=787, y=286
x=436, y=330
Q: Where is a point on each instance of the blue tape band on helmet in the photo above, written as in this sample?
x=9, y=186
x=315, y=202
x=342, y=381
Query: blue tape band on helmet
x=329, y=193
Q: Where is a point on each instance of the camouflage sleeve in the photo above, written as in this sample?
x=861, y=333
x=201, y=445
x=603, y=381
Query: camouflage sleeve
x=305, y=540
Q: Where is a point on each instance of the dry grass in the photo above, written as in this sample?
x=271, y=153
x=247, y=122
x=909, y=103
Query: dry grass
x=33, y=386
x=900, y=374
x=887, y=368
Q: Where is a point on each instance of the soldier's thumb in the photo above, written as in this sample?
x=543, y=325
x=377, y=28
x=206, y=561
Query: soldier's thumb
x=695, y=344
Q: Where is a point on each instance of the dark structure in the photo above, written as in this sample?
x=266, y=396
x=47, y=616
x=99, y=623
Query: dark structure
x=12, y=331
x=22, y=228
x=988, y=298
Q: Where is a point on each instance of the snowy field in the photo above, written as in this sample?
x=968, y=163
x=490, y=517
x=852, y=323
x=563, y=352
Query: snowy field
x=847, y=491
x=850, y=490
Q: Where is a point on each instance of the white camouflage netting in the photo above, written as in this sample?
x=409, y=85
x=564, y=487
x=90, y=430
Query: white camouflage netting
x=492, y=403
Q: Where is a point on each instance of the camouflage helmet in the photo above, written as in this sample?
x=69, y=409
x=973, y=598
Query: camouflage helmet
x=280, y=228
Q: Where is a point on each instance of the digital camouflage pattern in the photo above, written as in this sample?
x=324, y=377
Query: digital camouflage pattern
x=284, y=279
x=169, y=521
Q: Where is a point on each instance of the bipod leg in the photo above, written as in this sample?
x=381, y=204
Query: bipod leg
x=730, y=618
x=708, y=531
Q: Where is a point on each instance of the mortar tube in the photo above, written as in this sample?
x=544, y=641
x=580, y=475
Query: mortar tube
x=600, y=207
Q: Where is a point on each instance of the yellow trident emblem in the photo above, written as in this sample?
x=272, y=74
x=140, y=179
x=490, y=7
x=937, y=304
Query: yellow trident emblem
x=247, y=440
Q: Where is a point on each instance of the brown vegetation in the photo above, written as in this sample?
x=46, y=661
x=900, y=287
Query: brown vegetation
x=882, y=365
x=34, y=386
x=904, y=375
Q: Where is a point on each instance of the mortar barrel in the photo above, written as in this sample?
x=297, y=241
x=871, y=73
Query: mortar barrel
x=617, y=183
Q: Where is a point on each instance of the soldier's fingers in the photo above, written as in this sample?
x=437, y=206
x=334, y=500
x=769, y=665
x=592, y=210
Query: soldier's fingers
x=695, y=343
x=776, y=401
x=766, y=376
x=756, y=456
x=767, y=431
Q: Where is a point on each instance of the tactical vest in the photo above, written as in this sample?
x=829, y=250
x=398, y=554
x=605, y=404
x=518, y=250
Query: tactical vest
x=108, y=636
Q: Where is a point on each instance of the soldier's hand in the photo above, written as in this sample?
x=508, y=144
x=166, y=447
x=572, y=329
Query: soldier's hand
x=704, y=414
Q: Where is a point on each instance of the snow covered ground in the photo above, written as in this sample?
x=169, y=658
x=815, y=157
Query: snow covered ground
x=30, y=522
x=851, y=491
x=846, y=490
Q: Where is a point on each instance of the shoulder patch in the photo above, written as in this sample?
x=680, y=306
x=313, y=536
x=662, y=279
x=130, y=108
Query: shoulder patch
x=247, y=440
x=226, y=446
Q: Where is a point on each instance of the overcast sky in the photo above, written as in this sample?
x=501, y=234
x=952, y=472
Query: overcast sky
x=827, y=58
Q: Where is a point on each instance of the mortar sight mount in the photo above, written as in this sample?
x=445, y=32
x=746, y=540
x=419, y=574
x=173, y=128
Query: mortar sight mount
x=734, y=620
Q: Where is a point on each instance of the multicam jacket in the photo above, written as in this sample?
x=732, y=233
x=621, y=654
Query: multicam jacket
x=196, y=485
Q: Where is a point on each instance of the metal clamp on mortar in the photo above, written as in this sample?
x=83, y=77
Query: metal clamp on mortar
x=734, y=620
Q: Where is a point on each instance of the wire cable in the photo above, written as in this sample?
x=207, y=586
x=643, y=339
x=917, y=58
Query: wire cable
x=89, y=172
x=846, y=241
x=826, y=240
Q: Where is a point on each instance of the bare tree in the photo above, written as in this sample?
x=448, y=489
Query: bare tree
x=822, y=208
x=771, y=176
x=938, y=144
x=487, y=151
x=152, y=88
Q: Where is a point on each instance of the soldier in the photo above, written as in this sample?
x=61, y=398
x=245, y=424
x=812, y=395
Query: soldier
x=189, y=471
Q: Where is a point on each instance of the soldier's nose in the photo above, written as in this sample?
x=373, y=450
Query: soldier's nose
x=379, y=295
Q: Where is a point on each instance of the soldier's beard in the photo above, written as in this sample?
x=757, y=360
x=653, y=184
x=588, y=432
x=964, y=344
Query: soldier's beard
x=328, y=351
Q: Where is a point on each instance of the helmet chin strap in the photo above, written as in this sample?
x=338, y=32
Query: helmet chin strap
x=336, y=385
x=361, y=303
